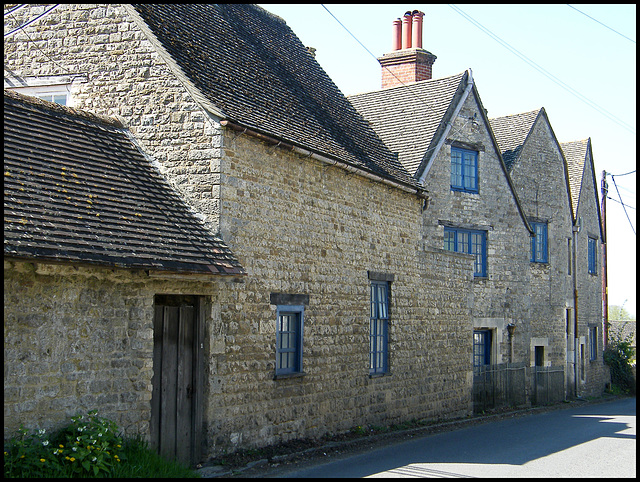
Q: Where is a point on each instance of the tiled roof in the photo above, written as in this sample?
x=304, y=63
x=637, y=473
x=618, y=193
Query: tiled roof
x=251, y=66
x=576, y=155
x=407, y=117
x=510, y=132
x=77, y=189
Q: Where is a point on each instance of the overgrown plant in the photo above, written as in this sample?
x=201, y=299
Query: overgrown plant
x=89, y=447
x=618, y=355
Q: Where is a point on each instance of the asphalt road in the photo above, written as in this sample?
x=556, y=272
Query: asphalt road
x=594, y=440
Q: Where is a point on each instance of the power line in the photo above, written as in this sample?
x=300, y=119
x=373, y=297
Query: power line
x=615, y=200
x=17, y=7
x=30, y=21
x=620, y=175
x=408, y=86
x=546, y=73
x=630, y=40
x=623, y=205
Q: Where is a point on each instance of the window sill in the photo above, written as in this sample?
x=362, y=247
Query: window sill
x=379, y=375
x=281, y=376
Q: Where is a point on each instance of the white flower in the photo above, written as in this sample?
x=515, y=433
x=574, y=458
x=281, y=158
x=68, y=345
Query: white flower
x=45, y=443
x=75, y=449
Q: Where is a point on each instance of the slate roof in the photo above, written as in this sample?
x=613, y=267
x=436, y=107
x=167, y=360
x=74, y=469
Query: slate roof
x=77, y=189
x=576, y=155
x=408, y=117
x=511, y=132
x=251, y=66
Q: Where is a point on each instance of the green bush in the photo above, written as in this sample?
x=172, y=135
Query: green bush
x=618, y=355
x=88, y=447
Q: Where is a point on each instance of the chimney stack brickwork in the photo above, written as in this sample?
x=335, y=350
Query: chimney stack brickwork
x=408, y=62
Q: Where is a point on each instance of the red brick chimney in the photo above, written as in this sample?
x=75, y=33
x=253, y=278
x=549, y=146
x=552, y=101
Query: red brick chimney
x=407, y=62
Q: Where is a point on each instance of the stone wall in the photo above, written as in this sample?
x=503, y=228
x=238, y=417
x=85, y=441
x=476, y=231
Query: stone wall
x=503, y=296
x=297, y=225
x=78, y=339
x=539, y=178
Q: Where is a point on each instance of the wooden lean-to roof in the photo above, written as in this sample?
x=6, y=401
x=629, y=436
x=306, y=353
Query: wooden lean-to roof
x=77, y=189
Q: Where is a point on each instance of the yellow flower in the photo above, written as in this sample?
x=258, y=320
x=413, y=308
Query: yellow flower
x=42, y=460
x=73, y=459
x=66, y=458
x=22, y=456
x=61, y=446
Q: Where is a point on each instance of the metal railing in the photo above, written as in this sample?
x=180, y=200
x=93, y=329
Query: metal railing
x=515, y=384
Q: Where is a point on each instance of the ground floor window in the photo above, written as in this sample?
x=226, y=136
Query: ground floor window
x=289, y=340
x=481, y=348
x=379, y=328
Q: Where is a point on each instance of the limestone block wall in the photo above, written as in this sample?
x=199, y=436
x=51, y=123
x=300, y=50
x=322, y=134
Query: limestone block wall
x=539, y=178
x=79, y=339
x=504, y=296
x=593, y=374
x=302, y=227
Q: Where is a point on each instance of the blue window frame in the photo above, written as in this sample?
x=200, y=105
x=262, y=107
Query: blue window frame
x=481, y=348
x=470, y=242
x=539, y=251
x=379, y=328
x=289, y=339
x=464, y=170
x=592, y=255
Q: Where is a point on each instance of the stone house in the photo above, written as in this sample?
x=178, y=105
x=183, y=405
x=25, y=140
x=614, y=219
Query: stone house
x=352, y=298
x=518, y=205
x=548, y=181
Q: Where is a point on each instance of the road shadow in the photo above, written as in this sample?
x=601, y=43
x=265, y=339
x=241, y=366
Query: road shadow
x=514, y=441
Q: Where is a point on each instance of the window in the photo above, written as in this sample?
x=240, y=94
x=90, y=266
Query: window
x=592, y=255
x=379, y=328
x=58, y=94
x=481, y=348
x=593, y=343
x=464, y=170
x=569, y=256
x=539, y=243
x=470, y=242
x=289, y=340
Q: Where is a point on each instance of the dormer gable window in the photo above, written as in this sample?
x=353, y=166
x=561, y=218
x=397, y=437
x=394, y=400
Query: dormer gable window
x=464, y=170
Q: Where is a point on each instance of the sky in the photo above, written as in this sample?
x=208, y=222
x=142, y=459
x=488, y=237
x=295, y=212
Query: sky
x=577, y=61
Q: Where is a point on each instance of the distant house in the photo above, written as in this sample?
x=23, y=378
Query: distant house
x=308, y=269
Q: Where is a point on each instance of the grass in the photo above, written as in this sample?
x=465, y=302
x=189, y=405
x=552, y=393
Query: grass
x=141, y=461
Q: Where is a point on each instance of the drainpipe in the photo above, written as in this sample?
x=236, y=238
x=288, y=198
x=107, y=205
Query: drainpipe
x=449, y=125
x=576, y=230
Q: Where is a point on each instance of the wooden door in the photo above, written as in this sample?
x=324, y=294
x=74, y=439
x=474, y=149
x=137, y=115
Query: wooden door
x=174, y=399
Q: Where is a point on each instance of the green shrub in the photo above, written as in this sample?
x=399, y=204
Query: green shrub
x=618, y=355
x=88, y=447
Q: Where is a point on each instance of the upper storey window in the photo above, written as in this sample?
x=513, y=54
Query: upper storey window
x=539, y=251
x=464, y=170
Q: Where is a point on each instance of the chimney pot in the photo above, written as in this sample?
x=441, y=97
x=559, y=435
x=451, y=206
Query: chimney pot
x=396, y=39
x=417, y=29
x=406, y=30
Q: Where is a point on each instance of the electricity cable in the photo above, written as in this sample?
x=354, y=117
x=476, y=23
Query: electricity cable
x=31, y=21
x=630, y=40
x=623, y=205
x=546, y=73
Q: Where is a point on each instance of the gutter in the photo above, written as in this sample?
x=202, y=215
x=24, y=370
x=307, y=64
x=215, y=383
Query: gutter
x=420, y=192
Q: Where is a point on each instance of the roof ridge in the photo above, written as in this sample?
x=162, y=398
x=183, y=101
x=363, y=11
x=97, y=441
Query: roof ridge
x=409, y=85
x=64, y=110
x=537, y=111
